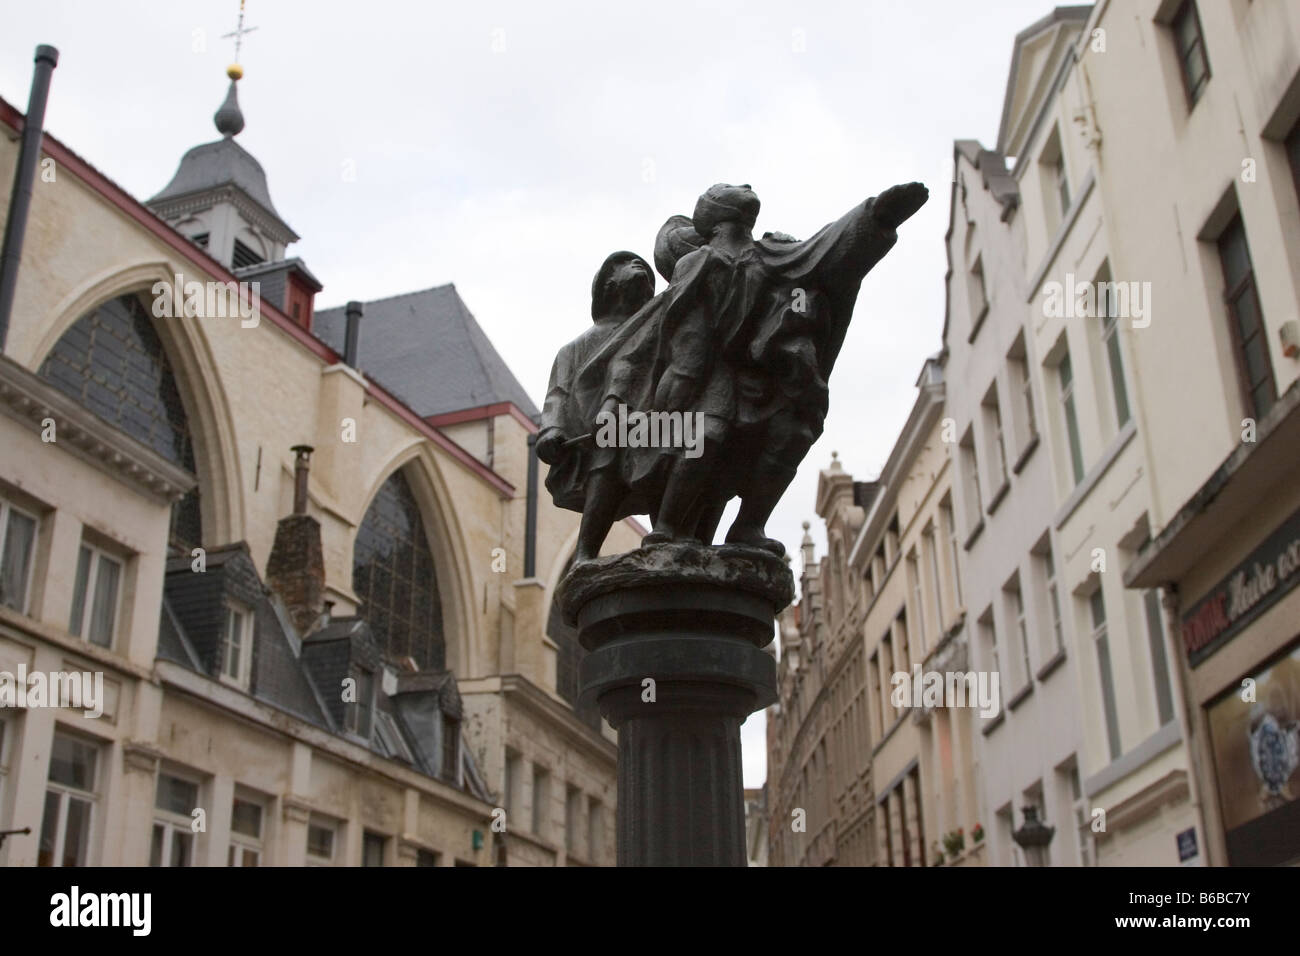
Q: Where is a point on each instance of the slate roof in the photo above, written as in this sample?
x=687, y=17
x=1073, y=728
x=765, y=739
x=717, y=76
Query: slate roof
x=302, y=675
x=220, y=163
x=428, y=349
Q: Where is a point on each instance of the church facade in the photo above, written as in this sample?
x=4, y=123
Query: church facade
x=267, y=595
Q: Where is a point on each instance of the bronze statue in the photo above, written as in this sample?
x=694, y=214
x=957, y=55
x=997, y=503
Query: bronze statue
x=743, y=341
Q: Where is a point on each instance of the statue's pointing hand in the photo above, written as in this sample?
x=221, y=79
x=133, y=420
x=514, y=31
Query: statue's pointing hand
x=897, y=203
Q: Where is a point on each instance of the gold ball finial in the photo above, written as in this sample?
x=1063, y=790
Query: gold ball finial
x=235, y=71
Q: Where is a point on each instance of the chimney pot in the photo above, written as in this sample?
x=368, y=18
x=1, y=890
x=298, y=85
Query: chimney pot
x=354, y=311
x=300, y=468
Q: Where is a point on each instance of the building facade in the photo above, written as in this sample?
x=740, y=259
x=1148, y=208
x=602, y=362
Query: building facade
x=314, y=588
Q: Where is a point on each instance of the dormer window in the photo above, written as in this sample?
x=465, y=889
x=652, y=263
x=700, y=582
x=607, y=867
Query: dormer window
x=237, y=646
x=361, y=710
x=201, y=240
x=450, y=748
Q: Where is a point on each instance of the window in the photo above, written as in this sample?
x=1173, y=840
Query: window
x=1159, y=663
x=4, y=758
x=950, y=524
x=996, y=439
x=979, y=303
x=320, y=841
x=1247, y=321
x=989, y=638
x=1054, y=182
x=1190, y=43
x=175, y=800
x=393, y=575
x=1293, y=155
x=1071, y=417
x=572, y=819
x=245, y=833
x=372, y=848
x=17, y=548
x=877, y=711
x=361, y=710
x=514, y=779
x=1108, y=309
x=541, y=801
x=1053, y=599
x=1082, y=821
x=95, y=596
x=1022, y=399
x=112, y=362
x=970, y=474
x=931, y=545
x=244, y=256
x=237, y=646
x=918, y=599
x=1016, y=605
x=69, y=803
x=426, y=858
x=1062, y=183
x=1097, y=607
x=595, y=830
x=450, y=749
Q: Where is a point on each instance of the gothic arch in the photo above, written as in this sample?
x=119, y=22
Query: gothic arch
x=198, y=380
x=443, y=533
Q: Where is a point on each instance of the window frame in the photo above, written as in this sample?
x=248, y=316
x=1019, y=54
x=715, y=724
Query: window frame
x=172, y=822
x=67, y=792
x=7, y=508
x=1193, y=95
x=244, y=614
x=86, y=596
x=242, y=844
x=1105, y=672
x=315, y=821
x=1231, y=296
x=1070, y=416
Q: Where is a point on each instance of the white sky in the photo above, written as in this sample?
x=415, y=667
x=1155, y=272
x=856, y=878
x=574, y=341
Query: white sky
x=508, y=147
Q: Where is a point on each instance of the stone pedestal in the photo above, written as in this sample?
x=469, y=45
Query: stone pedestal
x=675, y=635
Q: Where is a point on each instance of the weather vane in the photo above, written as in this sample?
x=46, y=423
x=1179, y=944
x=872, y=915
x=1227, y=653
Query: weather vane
x=238, y=34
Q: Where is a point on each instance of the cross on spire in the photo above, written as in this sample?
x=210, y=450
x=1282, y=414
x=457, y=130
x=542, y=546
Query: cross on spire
x=239, y=31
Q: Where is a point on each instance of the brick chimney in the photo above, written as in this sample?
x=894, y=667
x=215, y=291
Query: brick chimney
x=296, y=568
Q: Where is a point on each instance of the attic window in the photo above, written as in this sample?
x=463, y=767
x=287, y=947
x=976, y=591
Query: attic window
x=450, y=748
x=244, y=256
x=200, y=240
x=360, y=710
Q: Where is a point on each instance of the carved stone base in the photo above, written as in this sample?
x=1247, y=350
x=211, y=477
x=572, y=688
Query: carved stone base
x=675, y=634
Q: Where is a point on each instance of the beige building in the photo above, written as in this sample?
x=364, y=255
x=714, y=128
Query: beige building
x=883, y=777
x=336, y=656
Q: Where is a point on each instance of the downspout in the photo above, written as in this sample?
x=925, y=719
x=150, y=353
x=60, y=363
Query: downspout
x=20, y=200
x=530, y=515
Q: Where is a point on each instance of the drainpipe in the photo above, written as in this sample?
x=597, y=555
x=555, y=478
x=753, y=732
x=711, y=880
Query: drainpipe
x=20, y=200
x=530, y=515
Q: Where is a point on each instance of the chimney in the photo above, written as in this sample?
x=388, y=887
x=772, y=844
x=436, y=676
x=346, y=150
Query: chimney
x=296, y=568
x=300, y=464
x=353, y=311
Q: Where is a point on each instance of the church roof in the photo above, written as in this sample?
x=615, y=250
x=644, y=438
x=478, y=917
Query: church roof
x=221, y=163
x=428, y=349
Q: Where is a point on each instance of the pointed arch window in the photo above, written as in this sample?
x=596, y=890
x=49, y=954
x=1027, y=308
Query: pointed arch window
x=393, y=575
x=112, y=362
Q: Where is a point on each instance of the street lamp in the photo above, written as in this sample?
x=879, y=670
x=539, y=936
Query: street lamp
x=1033, y=837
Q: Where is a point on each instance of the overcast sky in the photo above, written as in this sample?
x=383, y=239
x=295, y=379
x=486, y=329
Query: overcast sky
x=508, y=147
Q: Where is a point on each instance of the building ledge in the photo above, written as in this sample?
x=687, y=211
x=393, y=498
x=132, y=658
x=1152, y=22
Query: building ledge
x=1226, y=498
x=1024, y=455
x=993, y=723
x=1052, y=664
x=999, y=495
x=1163, y=739
x=974, y=533
x=1062, y=231
x=1019, y=697
x=1093, y=477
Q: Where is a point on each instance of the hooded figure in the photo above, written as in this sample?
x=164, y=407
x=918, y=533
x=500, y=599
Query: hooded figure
x=582, y=476
x=746, y=334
